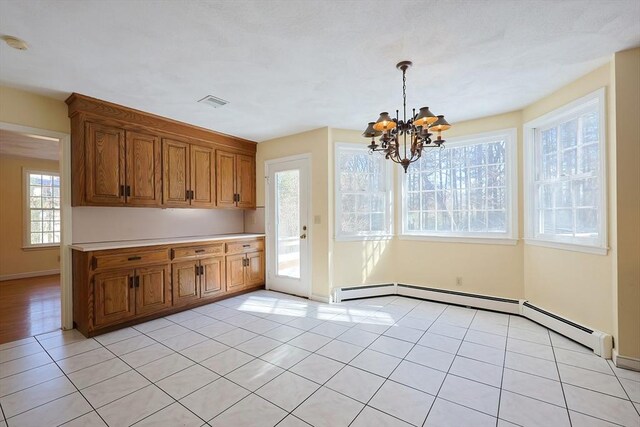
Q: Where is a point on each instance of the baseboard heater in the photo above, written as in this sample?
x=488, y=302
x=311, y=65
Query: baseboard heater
x=600, y=342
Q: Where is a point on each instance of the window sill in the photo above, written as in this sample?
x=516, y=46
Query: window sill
x=595, y=250
x=41, y=247
x=362, y=238
x=460, y=239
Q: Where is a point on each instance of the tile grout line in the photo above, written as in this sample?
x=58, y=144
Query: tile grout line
x=504, y=363
x=561, y=383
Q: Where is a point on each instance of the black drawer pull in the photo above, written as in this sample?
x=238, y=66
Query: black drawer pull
x=199, y=251
x=246, y=246
x=134, y=258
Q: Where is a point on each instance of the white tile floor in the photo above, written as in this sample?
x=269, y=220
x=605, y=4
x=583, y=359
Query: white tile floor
x=266, y=359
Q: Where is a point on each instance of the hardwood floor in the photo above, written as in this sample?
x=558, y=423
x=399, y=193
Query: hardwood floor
x=29, y=307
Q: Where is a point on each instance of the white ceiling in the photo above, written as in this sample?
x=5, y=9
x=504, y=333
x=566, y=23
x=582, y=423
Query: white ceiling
x=289, y=66
x=33, y=146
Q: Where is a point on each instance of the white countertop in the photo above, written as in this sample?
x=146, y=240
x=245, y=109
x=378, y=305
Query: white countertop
x=101, y=246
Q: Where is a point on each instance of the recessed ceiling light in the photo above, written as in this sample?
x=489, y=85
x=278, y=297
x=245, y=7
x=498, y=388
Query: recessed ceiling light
x=15, y=42
x=212, y=101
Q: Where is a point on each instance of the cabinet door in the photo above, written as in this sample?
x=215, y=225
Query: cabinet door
x=186, y=286
x=225, y=179
x=246, y=181
x=175, y=177
x=255, y=268
x=143, y=174
x=153, y=289
x=104, y=164
x=114, y=297
x=212, y=278
x=235, y=272
x=202, y=177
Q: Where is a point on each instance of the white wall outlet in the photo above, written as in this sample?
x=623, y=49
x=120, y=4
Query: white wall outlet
x=459, y=281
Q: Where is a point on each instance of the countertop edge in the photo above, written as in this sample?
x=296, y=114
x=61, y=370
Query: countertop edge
x=128, y=244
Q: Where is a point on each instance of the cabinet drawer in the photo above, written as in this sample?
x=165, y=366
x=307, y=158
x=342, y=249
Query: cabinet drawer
x=197, y=251
x=131, y=259
x=245, y=246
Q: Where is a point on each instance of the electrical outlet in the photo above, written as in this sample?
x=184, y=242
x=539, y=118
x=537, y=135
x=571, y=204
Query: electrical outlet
x=459, y=281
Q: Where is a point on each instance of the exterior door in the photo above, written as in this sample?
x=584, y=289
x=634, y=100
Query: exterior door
x=115, y=296
x=245, y=181
x=186, y=288
x=235, y=272
x=202, y=177
x=153, y=289
x=212, y=281
x=144, y=177
x=288, y=231
x=104, y=164
x=225, y=179
x=175, y=177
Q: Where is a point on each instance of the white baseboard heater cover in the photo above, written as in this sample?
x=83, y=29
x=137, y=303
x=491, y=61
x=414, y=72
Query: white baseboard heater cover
x=600, y=342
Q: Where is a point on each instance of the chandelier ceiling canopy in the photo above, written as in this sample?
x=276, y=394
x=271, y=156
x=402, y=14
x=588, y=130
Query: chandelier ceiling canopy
x=415, y=132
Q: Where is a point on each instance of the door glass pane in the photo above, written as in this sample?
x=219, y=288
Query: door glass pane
x=287, y=192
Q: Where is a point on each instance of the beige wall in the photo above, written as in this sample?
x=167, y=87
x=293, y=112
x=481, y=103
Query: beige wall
x=573, y=284
x=27, y=109
x=627, y=201
x=14, y=259
x=315, y=143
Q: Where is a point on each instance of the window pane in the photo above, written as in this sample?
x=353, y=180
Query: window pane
x=44, y=208
x=569, y=134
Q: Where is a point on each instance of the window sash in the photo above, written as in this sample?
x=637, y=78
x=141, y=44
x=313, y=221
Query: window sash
x=474, y=192
x=368, y=200
x=42, y=223
x=566, y=202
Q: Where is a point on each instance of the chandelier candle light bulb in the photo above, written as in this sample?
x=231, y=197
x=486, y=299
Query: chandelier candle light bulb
x=419, y=129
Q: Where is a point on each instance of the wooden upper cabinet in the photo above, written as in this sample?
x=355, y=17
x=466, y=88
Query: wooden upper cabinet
x=225, y=179
x=202, y=177
x=143, y=171
x=104, y=165
x=246, y=181
x=175, y=176
x=153, y=289
x=236, y=180
x=114, y=297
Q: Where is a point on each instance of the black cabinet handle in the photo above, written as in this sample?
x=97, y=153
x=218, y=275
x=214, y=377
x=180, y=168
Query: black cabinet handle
x=201, y=270
x=121, y=190
x=137, y=281
x=199, y=251
x=197, y=270
x=134, y=258
x=128, y=191
x=131, y=282
x=246, y=246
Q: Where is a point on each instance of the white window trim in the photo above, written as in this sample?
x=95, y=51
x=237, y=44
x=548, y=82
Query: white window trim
x=338, y=202
x=511, y=160
x=26, y=211
x=529, y=130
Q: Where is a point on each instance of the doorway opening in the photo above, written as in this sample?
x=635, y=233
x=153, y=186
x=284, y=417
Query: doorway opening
x=35, y=224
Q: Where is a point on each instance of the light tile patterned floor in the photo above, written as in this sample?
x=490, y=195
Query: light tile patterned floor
x=266, y=359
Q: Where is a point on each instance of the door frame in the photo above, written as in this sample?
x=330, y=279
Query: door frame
x=268, y=164
x=66, y=239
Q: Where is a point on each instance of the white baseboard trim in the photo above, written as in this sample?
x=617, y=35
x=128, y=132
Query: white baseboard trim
x=599, y=342
x=28, y=274
x=320, y=298
x=625, y=362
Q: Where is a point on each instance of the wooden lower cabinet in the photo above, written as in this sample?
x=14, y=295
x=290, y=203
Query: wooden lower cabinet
x=115, y=298
x=126, y=286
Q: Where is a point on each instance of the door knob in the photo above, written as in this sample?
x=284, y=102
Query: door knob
x=303, y=236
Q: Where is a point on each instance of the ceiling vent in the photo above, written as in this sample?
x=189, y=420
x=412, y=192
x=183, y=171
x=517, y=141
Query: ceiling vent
x=214, y=102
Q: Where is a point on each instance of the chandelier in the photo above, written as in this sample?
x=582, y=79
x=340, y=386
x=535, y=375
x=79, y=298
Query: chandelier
x=416, y=132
